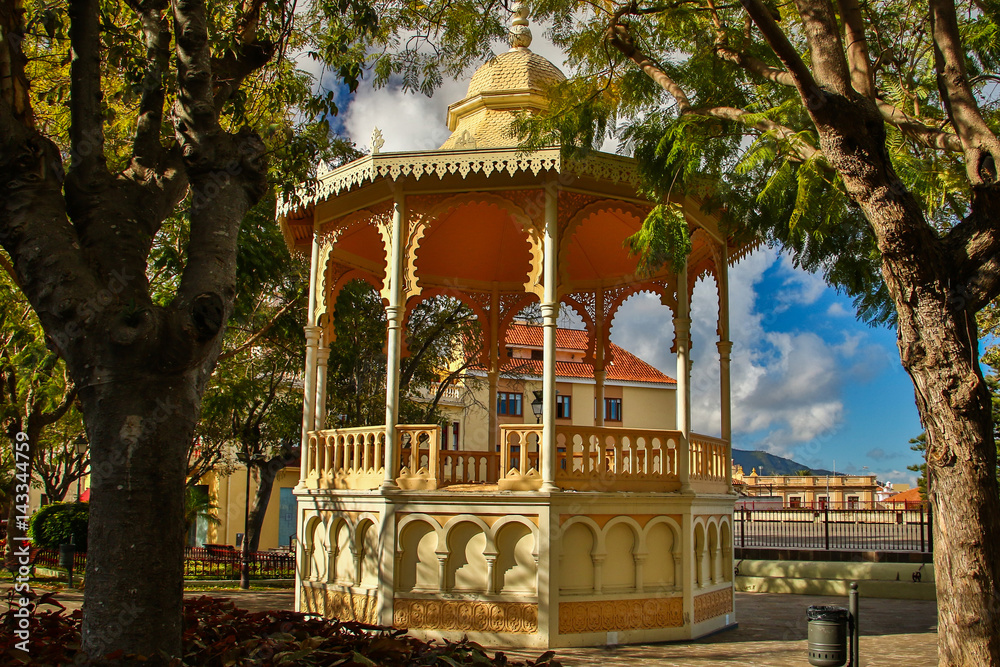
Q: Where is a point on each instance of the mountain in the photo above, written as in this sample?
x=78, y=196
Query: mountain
x=771, y=464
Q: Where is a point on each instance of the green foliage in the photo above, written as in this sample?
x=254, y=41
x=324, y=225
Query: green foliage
x=663, y=240
x=198, y=505
x=58, y=523
x=919, y=444
x=217, y=633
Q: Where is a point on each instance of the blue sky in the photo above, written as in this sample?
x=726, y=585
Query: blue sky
x=809, y=381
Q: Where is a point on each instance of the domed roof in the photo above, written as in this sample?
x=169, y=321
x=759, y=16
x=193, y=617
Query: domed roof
x=513, y=82
x=520, y=69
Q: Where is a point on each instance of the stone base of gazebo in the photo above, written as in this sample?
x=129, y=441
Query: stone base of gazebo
x=521, y=568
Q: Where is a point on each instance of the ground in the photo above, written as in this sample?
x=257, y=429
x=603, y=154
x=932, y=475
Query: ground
x=771, y=632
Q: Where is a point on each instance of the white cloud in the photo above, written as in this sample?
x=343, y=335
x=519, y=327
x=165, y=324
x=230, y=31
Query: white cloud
x=837, y=309
x=799, y=288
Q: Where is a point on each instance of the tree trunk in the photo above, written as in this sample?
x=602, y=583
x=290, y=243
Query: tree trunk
x=938, y=347
x=138, y=433
x=266, y=476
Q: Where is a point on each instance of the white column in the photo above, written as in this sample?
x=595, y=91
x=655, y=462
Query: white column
x=725, y=351
x=394, y=316
x=599, y=365
x=493, y=375
x=550, y=316
x=682, y=331
x=309, y=398
x=322, y=357
x=312, y=339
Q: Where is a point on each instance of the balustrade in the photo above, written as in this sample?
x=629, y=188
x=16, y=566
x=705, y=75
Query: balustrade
x=419, y=446
x=346, y=458
x=710, y=460
x=588, y=458
x=519, y=457
x=602, y=458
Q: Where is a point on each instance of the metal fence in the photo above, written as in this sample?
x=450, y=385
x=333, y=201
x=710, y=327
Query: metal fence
x=203, y=563
x=909, y=530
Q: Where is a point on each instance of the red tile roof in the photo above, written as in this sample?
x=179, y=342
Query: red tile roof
x=623, y=365
x=908, y=496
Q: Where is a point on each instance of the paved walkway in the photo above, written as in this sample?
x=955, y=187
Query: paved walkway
x=771, y=633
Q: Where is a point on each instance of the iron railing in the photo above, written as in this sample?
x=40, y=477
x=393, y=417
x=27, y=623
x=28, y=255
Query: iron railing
x=829, y=529
x=203, y=563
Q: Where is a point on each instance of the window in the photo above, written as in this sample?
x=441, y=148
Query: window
x=454, y=434
x=794, y=501
x=563, y=406
x=509, y=403
x=853, y=502
x=822, y=502
x=613, y=409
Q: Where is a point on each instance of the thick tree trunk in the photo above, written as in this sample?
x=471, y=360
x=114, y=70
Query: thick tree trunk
x=938, y=346
x=265, y=483
x=138, y=431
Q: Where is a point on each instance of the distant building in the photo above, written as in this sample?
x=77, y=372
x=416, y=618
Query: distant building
x=812, y=491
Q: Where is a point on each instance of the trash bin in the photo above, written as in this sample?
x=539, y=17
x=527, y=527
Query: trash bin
x=827, y=636
x=66, y=553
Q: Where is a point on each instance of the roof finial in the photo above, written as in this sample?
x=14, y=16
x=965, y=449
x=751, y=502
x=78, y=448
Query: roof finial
x=520, y=35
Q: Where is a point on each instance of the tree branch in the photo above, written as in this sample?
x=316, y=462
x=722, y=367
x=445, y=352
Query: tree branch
x=982, y=149
x=858, y=60
x=86, y=129
x=754, y=65
x=917, y=130
x=803, y=150
x=825, y=46
x=262, y=332
x=784, y=49
x=15, y=94
x=146, y=148
x=619, y=37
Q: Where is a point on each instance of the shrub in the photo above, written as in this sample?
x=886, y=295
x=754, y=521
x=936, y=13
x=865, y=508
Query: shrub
x=55, y=524
x=217, y=633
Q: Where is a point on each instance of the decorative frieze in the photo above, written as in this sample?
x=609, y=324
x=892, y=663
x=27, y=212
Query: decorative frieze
x=346, y=606
x=614, y=615
x=466, y=616
x=713, y=604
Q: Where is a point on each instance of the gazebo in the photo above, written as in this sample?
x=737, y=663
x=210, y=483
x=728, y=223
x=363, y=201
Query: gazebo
x=543, y=535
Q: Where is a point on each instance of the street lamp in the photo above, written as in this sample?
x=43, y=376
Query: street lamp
x=536, y=407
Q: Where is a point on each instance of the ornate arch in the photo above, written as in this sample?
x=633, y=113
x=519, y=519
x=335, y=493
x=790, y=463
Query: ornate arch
x=423, y=220
x=466, y=518
x=339, y=281
x=584, y=214
x=380, y=217
x=431, y=292
x=599, y=546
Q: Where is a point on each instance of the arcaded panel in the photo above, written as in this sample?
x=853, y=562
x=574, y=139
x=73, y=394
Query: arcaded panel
x=466, y=616
x=516, y=566
x=619, y=564
x=659, y=567
x=467, y=570
x=369, y=555
x=419, y=566
x=576, y=565
x=319, y=557
x=615, y=615
x=713, y=604
x=344, y=560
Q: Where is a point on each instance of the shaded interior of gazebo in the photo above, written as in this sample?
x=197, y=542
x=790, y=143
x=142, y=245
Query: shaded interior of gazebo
x=546, y=535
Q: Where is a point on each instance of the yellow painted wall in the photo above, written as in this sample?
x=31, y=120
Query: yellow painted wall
x=648, y=407
x=229, y=494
